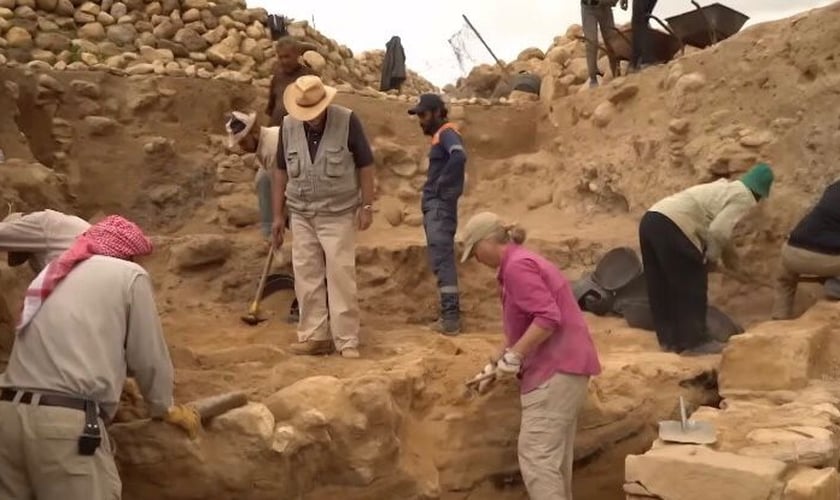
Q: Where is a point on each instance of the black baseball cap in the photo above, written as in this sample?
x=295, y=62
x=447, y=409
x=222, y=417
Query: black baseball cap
x=428, y=102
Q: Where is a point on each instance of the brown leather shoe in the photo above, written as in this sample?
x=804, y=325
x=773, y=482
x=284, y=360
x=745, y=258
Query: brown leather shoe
x=312, y=348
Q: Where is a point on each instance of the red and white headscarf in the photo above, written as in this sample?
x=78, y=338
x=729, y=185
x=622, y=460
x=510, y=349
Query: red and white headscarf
x=113, y=236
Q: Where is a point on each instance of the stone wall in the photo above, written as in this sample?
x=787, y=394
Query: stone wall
x=222, y=39
x=777, y=428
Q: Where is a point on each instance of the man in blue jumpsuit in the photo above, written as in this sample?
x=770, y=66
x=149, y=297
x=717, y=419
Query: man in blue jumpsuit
x=444, y=185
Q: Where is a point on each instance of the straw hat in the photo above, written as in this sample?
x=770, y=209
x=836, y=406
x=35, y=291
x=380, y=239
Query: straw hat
x=307, y=98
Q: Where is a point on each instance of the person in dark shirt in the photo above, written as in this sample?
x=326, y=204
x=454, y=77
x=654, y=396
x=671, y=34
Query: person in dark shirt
x=812, y=248
x=444, y=186
x=289, y=68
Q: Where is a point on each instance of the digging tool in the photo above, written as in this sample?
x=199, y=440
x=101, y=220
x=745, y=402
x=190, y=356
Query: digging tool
x=253, y=318
x=472, y=385
x=685, y=430
x=213, y=406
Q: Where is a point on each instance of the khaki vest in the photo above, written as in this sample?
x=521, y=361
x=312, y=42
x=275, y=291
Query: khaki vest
x=328, y=183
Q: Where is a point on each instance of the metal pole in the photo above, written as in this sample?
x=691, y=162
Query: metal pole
x=483, y=42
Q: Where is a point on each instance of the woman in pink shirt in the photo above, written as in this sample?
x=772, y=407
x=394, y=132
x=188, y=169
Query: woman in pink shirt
x=547, y=346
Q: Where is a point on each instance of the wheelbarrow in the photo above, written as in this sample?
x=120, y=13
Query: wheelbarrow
x=664, y=44
x=618, y=44
x=706, y=25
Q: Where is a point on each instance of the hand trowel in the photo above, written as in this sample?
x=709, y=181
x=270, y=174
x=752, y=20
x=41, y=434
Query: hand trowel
x=687, y=431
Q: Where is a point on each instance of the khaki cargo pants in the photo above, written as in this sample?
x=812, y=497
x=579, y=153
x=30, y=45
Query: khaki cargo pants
x=796, y=262
x=547, y=436
x=39, y=456
x=324, y=262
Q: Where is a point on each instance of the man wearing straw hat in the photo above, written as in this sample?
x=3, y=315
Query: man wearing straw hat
x=324, y=180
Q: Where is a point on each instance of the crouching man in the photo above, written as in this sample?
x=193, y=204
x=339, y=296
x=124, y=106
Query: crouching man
x=325, y=180
x=89, y=319
x=37, y=238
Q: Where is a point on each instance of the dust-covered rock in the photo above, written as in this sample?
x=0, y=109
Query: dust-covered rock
x=100, y=125
x=199, y=250
x=603, y=114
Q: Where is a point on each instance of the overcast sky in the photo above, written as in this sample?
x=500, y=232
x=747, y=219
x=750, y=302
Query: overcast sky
x=508, y=26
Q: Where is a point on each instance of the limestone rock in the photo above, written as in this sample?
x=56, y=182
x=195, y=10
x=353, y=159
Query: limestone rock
x=83, y=17
x=47, y=5
x=539, y=197
x=195, y=4
x=813, y=484
x=578, y=69
x=18, y=38
x=165, y=29
x=530, y=53
x=151, y=55
x=43, y=55
x=191, y=15
x=222, y=53
x=27, y=13
x=6, y=13
x=100, y=125
x=699, y=473
x=7, y=4
x=199, y=250
x=89, y=8
x=86, y=89
x=748, y=362
x=558, y=55
x=141, y=69
x=691, y=82
x=756, y=139
x=105, y=18
x=253, y=420
x=240, y=209
x=623, y=93
x=679, y=126
x=89, y=59
x=603, y=114
x=119, y=10
x=65, y=8
x=314, y=60
x=392, y=210
x=54, y=42
x=92, y=31
x=122, y=34
x=191, y=40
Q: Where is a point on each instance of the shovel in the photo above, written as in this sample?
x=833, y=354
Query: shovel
x=687, y=431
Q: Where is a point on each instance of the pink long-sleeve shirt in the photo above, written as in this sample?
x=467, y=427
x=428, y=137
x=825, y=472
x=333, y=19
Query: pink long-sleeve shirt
x=534, y=291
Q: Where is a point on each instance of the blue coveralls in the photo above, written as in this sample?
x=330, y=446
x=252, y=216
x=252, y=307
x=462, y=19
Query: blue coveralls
x=444, y=185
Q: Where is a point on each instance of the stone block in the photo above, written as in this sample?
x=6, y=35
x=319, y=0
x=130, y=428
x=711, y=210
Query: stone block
x=813, y=484
x=699, y=473
x=774, y=356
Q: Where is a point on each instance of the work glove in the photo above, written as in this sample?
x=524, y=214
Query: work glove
x=485, y=378
x=508, y=365
x=184, y=417
x=623, y=5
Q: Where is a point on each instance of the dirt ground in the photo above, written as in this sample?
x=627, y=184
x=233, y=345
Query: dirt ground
x=578, y=185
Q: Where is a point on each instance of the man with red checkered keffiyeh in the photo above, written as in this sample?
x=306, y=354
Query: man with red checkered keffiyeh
x=89, y=320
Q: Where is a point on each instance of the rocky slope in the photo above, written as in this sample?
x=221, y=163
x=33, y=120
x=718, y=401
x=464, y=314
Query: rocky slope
x=196, y=38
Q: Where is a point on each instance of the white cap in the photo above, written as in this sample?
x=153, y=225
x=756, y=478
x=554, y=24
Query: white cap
x=237, y=116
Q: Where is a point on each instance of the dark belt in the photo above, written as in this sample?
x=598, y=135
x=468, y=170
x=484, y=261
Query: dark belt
x=48, y=400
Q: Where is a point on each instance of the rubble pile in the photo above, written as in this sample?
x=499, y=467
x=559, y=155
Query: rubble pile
x=197, y=38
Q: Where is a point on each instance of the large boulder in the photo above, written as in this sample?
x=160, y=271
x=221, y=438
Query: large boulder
x=191, y=40
x=199, y=250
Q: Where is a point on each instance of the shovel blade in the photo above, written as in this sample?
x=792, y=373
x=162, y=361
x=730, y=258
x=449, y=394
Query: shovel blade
x=694, y=432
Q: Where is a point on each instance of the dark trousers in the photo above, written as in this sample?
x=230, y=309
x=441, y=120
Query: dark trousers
x=677, y=283
x=641, y=51
x=440, y=221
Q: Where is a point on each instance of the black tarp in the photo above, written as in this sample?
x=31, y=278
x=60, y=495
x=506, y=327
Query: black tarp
x=393, y=65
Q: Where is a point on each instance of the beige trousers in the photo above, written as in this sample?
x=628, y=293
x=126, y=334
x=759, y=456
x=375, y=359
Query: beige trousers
x=547, y=436
x=324, y=261
x=39, y=456
x=796, y=262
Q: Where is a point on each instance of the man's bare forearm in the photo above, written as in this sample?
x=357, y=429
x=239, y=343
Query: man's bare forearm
x=366, y=175
x=281, y=178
